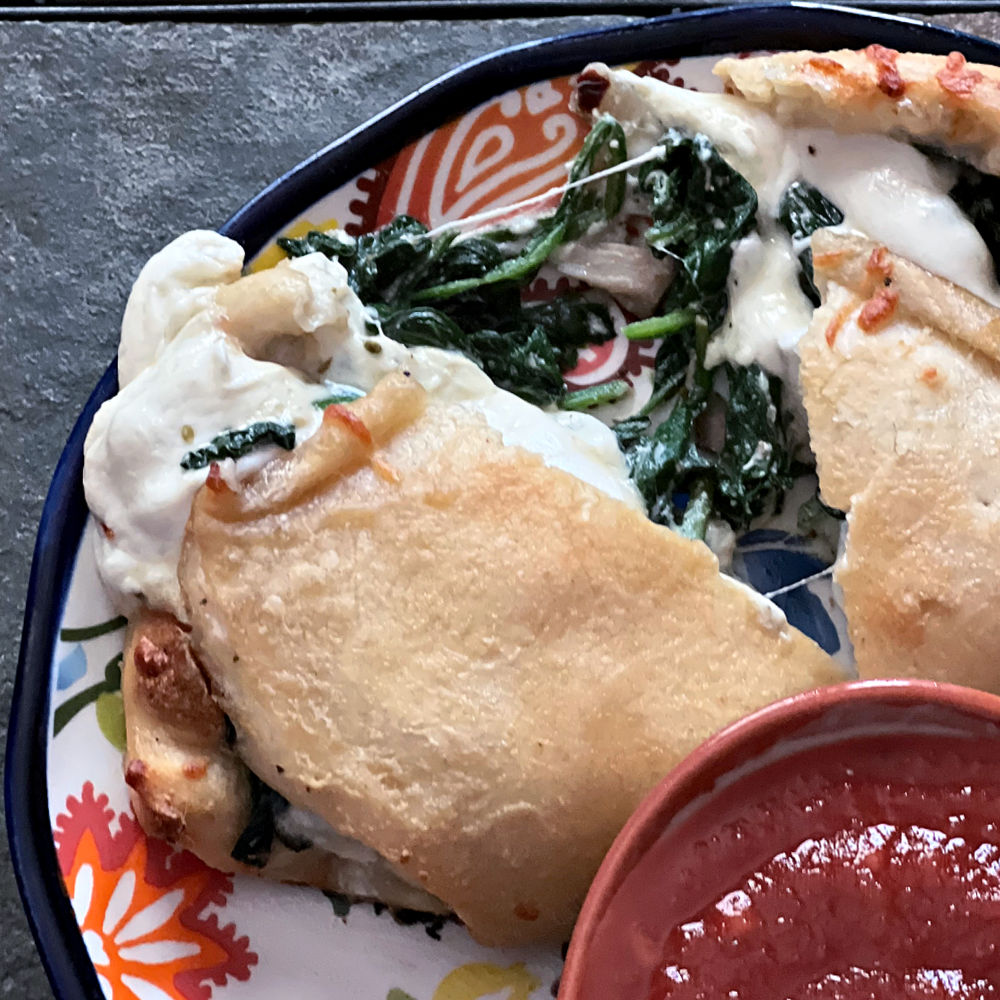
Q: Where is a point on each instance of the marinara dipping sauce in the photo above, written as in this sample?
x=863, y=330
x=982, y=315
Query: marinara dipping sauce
x=842, y=845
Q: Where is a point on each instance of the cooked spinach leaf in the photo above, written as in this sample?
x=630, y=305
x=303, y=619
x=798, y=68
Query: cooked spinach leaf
x=595, y=395
x=755, y=464
x=700, y=206
x=804, y=209
x=236, y=444
x=267, y=809
x=685, y=478
x=253, y=847
x=465, y=295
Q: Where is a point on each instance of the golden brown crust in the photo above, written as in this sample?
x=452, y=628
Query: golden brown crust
x=903, y=421
x=941, y=100
x=930, y=368
x=921, y=579
x=190, y=788
x=187, y=786
x=476, y=666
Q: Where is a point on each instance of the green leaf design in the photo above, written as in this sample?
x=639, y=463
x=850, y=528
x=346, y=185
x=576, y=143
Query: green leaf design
x=111, y=718
x=68, y=709
x=398, y=994
x=111, y=684
x=93, y=631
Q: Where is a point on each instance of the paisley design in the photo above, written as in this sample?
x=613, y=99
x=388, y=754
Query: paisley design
x=510, y=148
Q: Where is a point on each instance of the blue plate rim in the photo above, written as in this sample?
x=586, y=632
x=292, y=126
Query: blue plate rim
x=787, y=25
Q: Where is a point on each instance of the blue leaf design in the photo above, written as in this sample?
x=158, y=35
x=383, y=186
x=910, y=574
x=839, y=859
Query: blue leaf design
x=71, y=667
x=762, y=536
x=768, y=569
x=805, y=611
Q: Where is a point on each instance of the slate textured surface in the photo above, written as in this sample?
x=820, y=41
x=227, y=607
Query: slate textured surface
x=115, y=138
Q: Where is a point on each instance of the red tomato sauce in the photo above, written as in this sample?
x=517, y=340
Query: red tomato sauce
x=863, y=870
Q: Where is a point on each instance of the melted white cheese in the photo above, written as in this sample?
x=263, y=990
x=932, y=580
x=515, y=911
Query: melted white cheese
x=132, y=472
x=887, y=190
x=893, y=194
x=174, y=285
x=186, y=384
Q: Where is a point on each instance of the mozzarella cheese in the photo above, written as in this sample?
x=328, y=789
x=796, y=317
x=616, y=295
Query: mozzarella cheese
x=187, y=377
x=886, y=189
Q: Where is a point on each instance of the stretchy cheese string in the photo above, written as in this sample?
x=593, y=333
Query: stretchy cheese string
x=656, y=153
x=798, y=583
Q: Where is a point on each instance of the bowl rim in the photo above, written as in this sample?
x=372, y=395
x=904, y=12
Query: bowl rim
x=725, y=752
x=788, y=25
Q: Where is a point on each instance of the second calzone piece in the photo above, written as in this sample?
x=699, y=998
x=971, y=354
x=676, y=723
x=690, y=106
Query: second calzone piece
x=901, y=381
x=471, y=662
x=941, y=100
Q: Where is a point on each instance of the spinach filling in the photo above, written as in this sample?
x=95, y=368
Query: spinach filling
x=804, y=209
x=255, y=843
x=237, y=443
x=434, y=291
x=722, y=450
x=253, y=847
x=466, y=295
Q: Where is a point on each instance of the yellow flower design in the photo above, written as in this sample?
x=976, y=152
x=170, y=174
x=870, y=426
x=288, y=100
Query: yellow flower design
x=484, y=979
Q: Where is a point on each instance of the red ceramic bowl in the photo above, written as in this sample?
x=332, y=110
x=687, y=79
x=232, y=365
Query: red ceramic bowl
x=604, y=962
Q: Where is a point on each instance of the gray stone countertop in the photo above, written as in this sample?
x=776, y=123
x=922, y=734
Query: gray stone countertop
x=112, y=141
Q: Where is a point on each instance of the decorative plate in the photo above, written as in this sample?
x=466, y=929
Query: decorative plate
x=121, y=916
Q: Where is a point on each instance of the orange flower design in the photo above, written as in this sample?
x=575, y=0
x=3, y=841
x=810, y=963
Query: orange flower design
x=140, y=906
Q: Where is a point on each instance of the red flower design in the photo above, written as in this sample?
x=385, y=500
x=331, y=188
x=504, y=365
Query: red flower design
x=141, y=907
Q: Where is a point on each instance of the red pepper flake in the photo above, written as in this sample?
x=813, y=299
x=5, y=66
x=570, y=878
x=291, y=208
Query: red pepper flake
x=215, y=482
x=526, y=911
x=386, y=472
x=877, y=311
x=108, y=533
x=956, y=79
x=590, y=89
x=826, y=67
x=879, y=264
x=889, y=81
x=824, y=261
x=928, y=375
x=350, y=420
x=193, y=770
x=836, y=323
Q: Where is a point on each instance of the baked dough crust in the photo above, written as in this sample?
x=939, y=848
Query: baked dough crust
x=190, y=788
x=904, y=419
x=471, y=662
x=940, y=100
